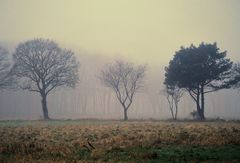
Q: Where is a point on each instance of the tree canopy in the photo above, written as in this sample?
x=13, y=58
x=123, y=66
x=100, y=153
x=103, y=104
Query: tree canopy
x=42, y=66
x=199, y=70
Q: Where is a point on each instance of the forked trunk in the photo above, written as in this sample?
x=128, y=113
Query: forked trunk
x=199, y=107
x=200, y=111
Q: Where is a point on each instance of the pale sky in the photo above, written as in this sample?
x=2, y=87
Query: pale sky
x=142, y=30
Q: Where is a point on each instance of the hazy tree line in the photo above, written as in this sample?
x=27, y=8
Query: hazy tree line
x=42, y=66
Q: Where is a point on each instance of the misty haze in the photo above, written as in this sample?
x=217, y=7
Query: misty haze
x=119, y=81
x=90, y=99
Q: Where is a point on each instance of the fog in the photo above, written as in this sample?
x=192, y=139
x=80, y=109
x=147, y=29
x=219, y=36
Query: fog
x=92, y=100
x=138, y=31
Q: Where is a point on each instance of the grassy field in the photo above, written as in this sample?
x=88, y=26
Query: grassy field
x=117, y=141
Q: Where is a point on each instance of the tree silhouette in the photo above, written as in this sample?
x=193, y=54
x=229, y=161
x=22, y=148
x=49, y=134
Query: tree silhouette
x=124, y=79
x=173, y=95
x=199, y=70
x=41, y=66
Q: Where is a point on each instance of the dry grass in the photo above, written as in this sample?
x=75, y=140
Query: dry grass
x=68, y=140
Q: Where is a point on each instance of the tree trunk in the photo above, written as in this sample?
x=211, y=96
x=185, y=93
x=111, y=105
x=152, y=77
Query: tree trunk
x=176, y=110
x=202, y=103
x=170, y=103
x=125, y=114
x=199, y=109
x=173, y=117
x=44, y=107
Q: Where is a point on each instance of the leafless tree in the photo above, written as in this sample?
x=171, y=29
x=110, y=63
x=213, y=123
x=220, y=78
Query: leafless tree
x=124, y=79
x=6, y=79
x=42, y=66
x=173, y=95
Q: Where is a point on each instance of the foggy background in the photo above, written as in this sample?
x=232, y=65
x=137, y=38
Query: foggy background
x=90, y=99
x=139, y=31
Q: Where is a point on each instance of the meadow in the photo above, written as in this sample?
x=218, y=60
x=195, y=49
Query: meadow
x=119, y=141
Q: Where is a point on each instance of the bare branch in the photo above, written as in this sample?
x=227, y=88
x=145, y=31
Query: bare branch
x=125, y=79
x=44, y=66
x=173, y=95
x=41, y=66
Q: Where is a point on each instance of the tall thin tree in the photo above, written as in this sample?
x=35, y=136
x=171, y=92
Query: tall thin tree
x=173, y=95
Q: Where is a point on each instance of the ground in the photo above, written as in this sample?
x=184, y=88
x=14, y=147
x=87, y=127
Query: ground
x=118, y=141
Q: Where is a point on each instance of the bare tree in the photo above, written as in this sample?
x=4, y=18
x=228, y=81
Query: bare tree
x=124, y=79
x=173, y=95
x=6, y=79
x=42, y=66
